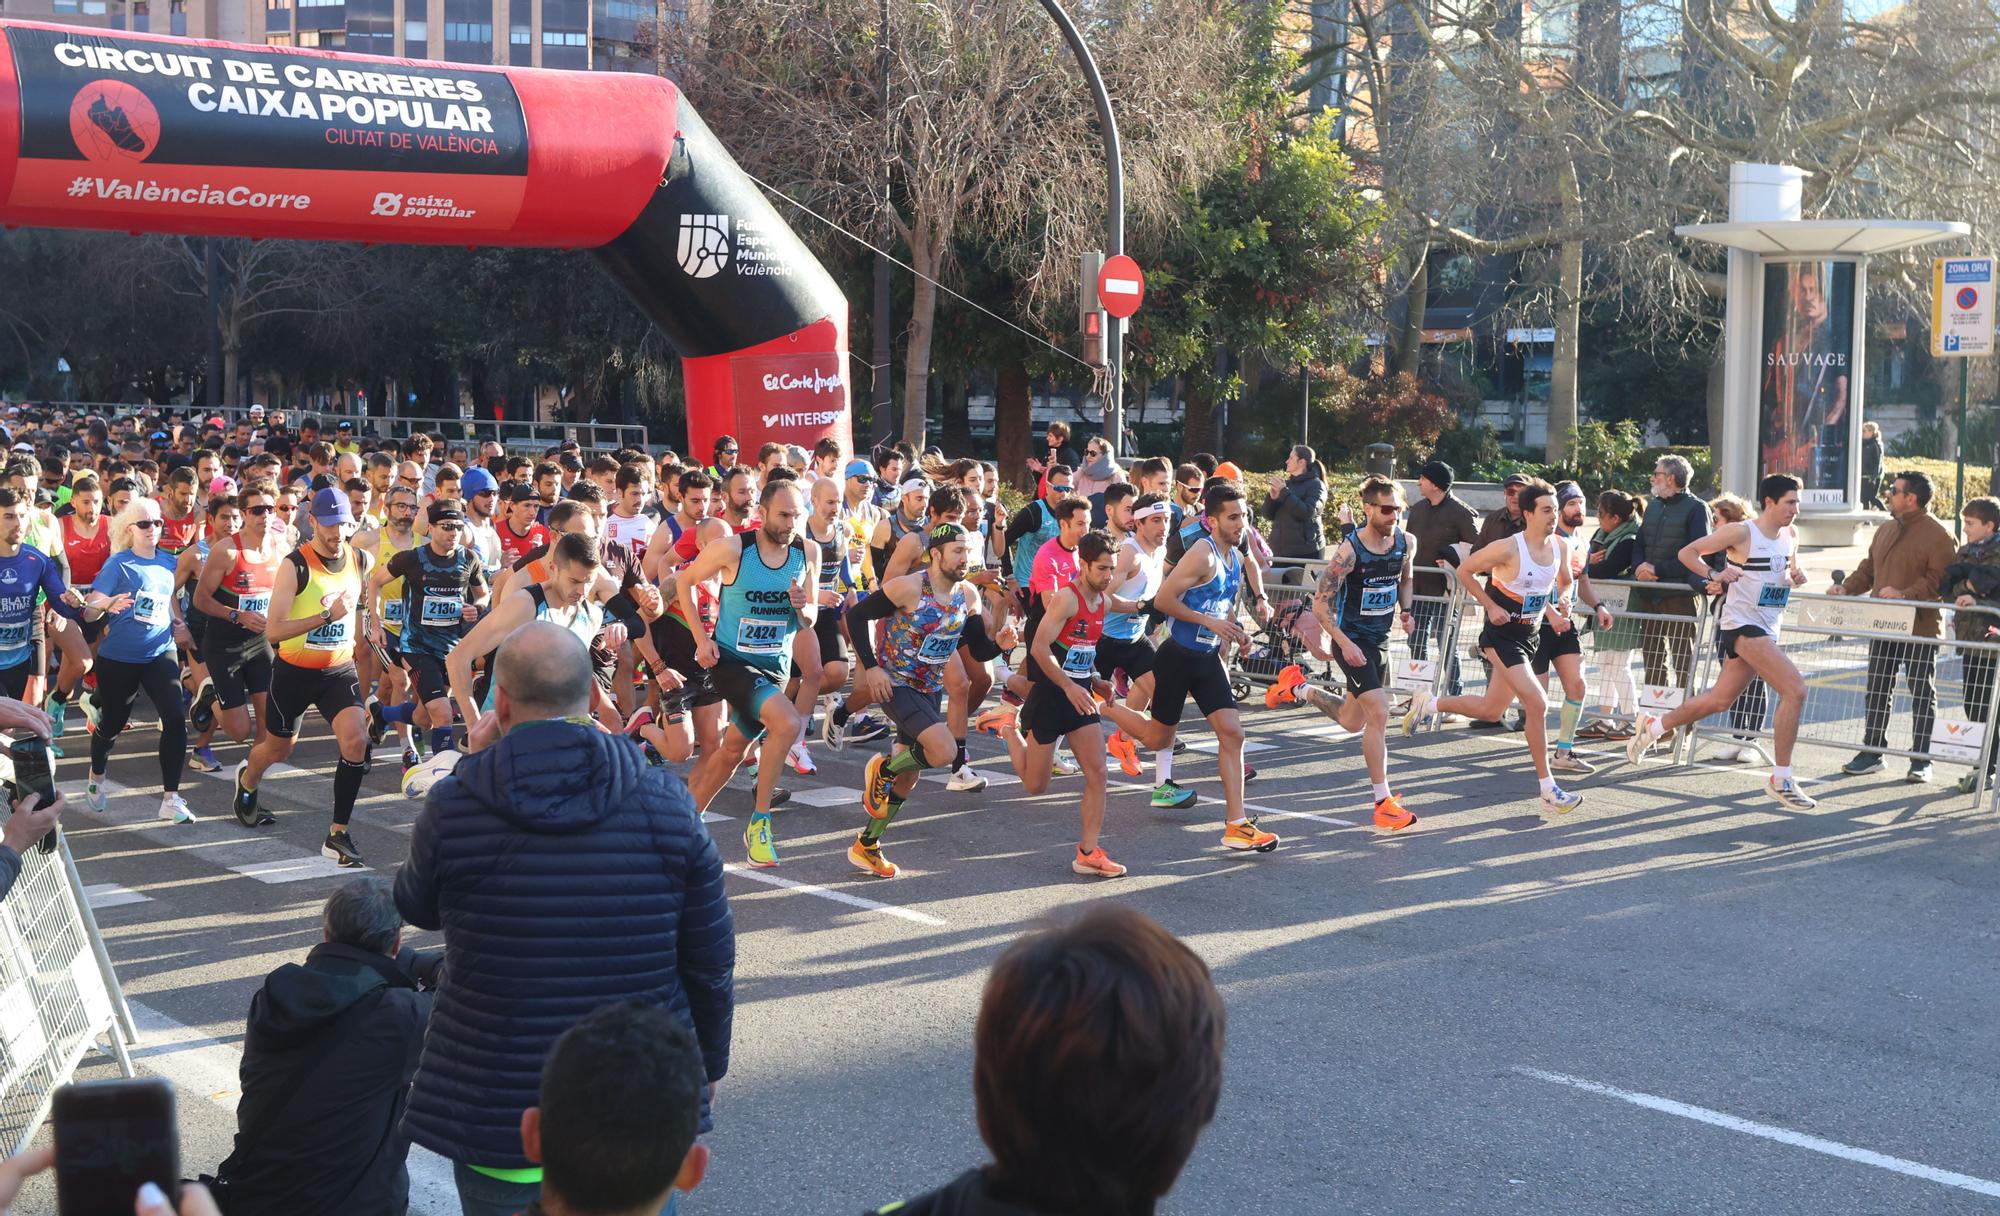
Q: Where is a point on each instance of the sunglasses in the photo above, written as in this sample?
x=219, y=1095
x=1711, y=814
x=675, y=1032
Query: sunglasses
x=449, y=527
x=1053, y=486
x=1386, y=508
x=262, y=508
x=145, y=523
x=727, y=452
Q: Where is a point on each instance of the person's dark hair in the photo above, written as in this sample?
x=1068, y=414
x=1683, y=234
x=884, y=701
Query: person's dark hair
x=1067, y=506
x=1151, y=466
x=1059, y=429
x=1206, y=462
x=1776, y=486
x=1917, y=483
x=1220, y=494
x=10, y=497
x=1377, y=486
x=725, y=441
x=183, y=476
x=576, y=549
x=379, y=460
x=945, y=500
x=1148, y=500
x=630, y=475
x=586, y=491
x=563, y=512
x=1118, y=492
x=418, y=442
x=1097, y=1062
x=319, y=452
x=736, y=472
x=1058, y=469
x=1985, y=510
x=123, y=484
x=1533, y=491
x=695, y=479
x=1437, y=472
x=620, y=1108
x=779, y=476
x=548, y=468
x=1618, y=505
x=1094, y=545
x=1184, y=473
x=602, y=465
x=768, y=449
x=826, y=447
x=1305, y=453
x=361, y=912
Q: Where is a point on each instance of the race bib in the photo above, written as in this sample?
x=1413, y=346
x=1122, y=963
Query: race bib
x=392, y=612
x=1378, y=601
x=937, y=647
x=760, y=635
x=151, y=610
x=253, y=603
x=442, y=609
x=14, y=635
x=330, y=636
x=1080, y=660
x=1774, y=595
x=1533, y=605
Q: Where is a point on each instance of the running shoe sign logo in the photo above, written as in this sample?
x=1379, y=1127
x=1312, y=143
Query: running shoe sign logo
x=1957, y=739
x=1661, y=697
x=1416, y=675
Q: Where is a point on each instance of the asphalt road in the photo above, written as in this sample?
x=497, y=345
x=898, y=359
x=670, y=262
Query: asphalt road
x=1681, y=998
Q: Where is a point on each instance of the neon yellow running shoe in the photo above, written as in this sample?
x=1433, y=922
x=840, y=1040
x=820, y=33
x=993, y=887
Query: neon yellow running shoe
x=759, y=842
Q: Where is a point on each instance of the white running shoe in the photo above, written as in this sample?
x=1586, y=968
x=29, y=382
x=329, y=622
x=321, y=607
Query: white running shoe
x=1420, y=709
x=174, y=809
x=966, y=779
x=1001, y=672
x=1726, y=753
x=1560, y=801
x=94, y=795
x=1648, y=733
x=1787, y=794
x=801, y=760
x=1061, y=765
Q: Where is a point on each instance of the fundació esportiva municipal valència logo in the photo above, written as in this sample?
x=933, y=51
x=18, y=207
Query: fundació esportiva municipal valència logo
x=704, y=245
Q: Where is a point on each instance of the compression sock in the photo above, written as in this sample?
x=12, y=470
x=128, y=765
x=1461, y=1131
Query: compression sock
x=909, y=760
x=961, y=759
x=400, y=714
x=872, y=833
x=440, y=739
x=1571, y=711
x=347, y=777
x=1164, y=761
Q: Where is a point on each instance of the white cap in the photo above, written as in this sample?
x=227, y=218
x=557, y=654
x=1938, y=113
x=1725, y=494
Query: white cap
x=1147, y=512
x=916, y=485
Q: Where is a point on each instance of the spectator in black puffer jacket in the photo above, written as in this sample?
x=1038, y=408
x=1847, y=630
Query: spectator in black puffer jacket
x=566, y=874
x=1296, y=508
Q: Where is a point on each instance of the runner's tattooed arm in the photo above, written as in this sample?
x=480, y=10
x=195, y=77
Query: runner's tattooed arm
x=1338, y=567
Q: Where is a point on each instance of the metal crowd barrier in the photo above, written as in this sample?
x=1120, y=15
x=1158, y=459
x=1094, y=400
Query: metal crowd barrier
x=58, y=993
x=1295, y=636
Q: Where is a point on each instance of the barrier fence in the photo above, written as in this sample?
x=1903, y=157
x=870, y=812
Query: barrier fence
x=1872, y=685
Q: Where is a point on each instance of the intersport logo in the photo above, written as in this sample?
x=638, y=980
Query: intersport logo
x=816, y=383
x=808, y=418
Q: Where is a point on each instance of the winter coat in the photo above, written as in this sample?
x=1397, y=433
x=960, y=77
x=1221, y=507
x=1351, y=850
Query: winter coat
x=567, y=874
x=1297, y=515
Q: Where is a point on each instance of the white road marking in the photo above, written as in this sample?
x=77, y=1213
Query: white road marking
x=825, y=795
x=839, y=897
x=1207, y=743
x=1817, y=1144
x=1269, y=812
x=104, y=895
x=193, y=1062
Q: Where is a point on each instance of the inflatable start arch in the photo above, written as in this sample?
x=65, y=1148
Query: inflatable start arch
x=141, y=133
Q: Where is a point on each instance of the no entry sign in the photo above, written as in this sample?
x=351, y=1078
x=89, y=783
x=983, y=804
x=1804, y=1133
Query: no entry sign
x=1120, y=286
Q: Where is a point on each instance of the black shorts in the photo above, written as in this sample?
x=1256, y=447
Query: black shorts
x=913, y=712
x=1135, y=658
x=745, y=689
x=1048, y=716
x=14, y=680
x=1515, y=644
x=1179, y=672
x=428, y=674
x=676, y=647
x=331, y=690
x=238, y=671
x=197, y=624
x=1550, y=646
x=826, y=627
x=1374, y=661
x=1725, y=640
x=93, y=630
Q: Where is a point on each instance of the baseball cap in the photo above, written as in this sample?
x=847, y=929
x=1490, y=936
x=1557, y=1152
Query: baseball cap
x=860, y=468
x=159, y=436
x=330, y=509
x=215, y=420
x=518, y=491
x=221, y=485
x=442, y=510
x=343, y=425
x=915, y=485
x=24, y=447
x=1515, y=479
x=1568, y=491
x=1228, y=469
x=257, y=407
x=476, y=481
x=943, y=535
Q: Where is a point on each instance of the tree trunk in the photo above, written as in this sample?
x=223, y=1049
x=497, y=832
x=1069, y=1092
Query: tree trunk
x=923, y=324
x=955, y=432
x=1013, y=406
x=1562, y=378
x=232, y=362
x=1410, y=343
x=1199, y=425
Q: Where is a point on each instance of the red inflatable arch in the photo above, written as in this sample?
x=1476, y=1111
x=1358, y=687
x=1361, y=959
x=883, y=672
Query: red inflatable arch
x=142, y=133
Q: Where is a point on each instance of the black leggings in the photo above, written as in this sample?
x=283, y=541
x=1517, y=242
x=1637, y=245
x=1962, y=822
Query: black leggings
x=118, y=685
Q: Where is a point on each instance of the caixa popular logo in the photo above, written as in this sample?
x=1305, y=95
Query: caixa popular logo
x=704, y=245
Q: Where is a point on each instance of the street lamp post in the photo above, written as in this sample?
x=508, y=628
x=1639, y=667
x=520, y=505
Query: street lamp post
x=1114, y=220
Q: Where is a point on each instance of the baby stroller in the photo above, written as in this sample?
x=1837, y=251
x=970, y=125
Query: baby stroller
x=1274, y=646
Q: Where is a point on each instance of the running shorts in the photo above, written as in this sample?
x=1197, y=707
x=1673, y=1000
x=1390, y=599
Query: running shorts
x=238, y=671
x=1725, y=641
x=1513, y=643
x=1179, y=672
x=1551, y=646
x=1374, y=661
x=331, y=690
x=676, y=647
x=1048, y=716
x=826, y=627
x=1135, y=657
x=14, y=680
x=428, y=674
x=913, y=712
x=745, y=689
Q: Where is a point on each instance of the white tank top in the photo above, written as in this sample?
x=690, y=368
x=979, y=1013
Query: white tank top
x=1125, y=626
x=1533, y=581
x=1759, y=597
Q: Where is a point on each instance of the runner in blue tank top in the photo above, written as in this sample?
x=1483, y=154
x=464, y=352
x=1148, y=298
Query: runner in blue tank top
x=25, y=571
x=769, y=579
x=1199, y=599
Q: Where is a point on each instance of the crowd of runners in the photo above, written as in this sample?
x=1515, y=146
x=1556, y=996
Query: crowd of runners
x=744, y=611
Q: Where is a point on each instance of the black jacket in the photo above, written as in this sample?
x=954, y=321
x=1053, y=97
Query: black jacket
x=331, y=1142
x=567, y=874
x=1298, y=529
x=970, y=1194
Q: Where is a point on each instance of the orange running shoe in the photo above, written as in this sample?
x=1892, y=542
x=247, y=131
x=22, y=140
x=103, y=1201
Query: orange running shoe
x=1247, y=836
x=1095, y=863
x=1285, y=690
x=1391, y=816
x=994, y=720
x=1126, y=751
x=865, y=856
x=875, y=787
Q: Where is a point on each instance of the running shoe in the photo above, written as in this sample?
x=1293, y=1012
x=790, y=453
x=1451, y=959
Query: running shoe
x=1249, y=772
x=1248, y=837
x=1180, y=747
x=1863, y=764
x=866, y=728
x=875, y=787
x=378, y=726
x=779, y=796
x=58, y=709
x=411, y=759
x=759, y=842
x=1285, y=689
x=88, y=699
x=832, y=733
x=1560, y=801
x=1787, y=794
x=864, y=856
x=1095, y=864
x=1970, y=782
x=1392, y=816
x=174, y=809
x=1061, y=765
x=1421, y=704
x=1725, y=753
x=966, y=779
x=1125, y=751
x=1648, y=733
x=801, y=760
x=641, y=718
x=203, y=760
x=94, y=795
x=1121, y=684
x=1920, y=772
x=248, y=813
x=1602, y=728
x=1170, y=796
x=339, y=846
x=1001, y=672
x=652, y=756
x=1569, y=763
x=998, y=719
x=201, y=715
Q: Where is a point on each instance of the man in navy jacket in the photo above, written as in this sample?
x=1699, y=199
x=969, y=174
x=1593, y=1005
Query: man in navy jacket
x=566, y=874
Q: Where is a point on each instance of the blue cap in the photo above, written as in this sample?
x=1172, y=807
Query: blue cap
x=860, y=468
x=476, y=481
x=330, y=508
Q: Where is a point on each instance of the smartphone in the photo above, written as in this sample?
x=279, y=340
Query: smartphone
x=35, y=773
x=111, y=1138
